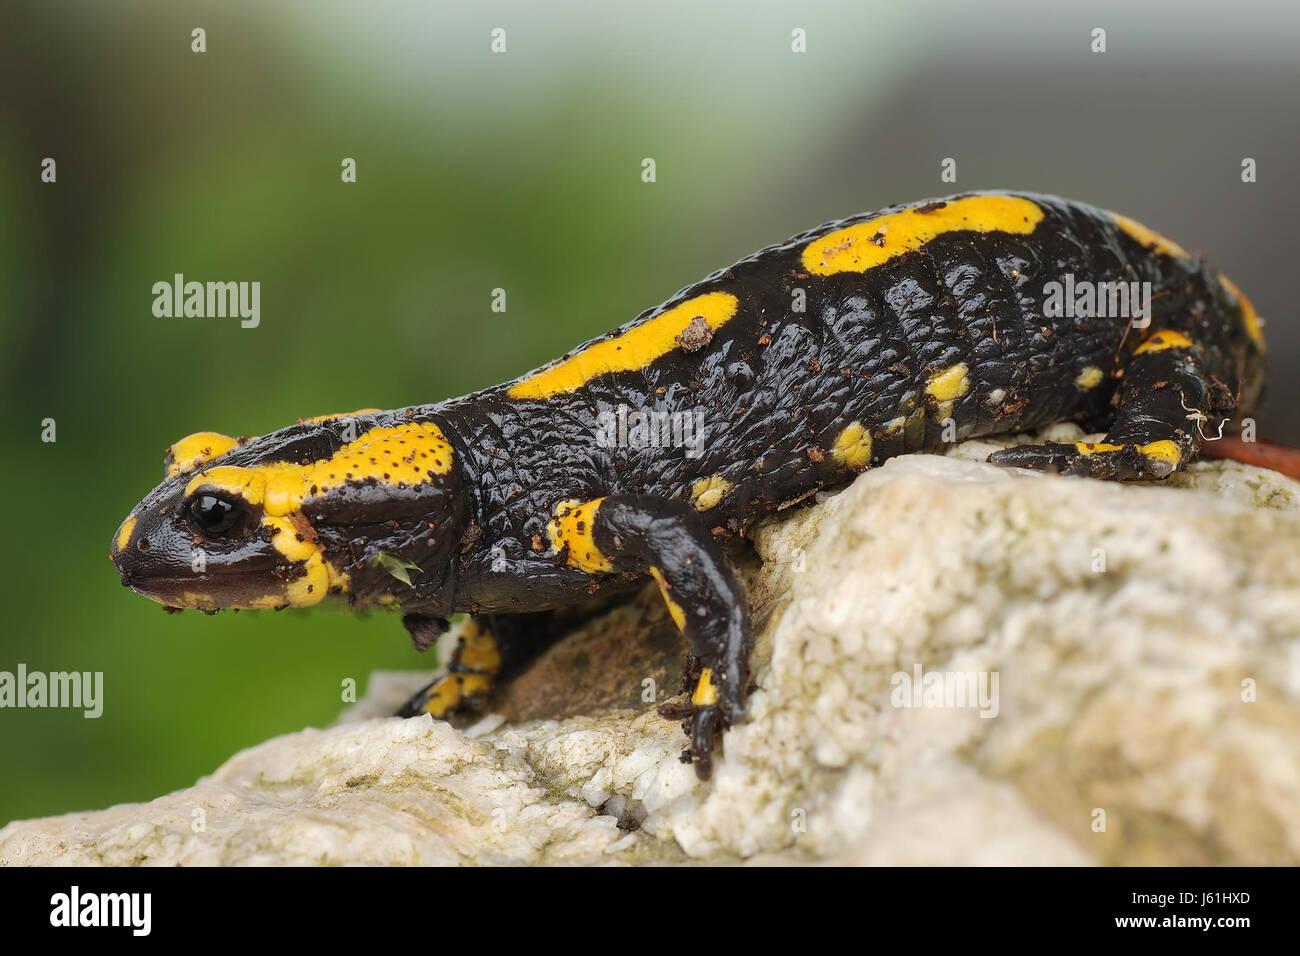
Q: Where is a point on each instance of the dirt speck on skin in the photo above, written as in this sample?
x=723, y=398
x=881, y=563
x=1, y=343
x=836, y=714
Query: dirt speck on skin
x=696, y=335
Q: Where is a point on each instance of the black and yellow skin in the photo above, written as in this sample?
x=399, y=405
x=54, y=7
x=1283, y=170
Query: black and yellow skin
x=887, y=333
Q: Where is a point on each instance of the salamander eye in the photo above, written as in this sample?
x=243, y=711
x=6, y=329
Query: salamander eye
x=216, y=515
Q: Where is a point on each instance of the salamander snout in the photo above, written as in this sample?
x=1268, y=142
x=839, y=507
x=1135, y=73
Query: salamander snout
x=211, y=548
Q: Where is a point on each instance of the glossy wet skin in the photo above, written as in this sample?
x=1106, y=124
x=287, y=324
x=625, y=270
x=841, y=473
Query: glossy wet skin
x=170, y=551
x=208, y=544
x=895, y=331
x=293, y=517
x=913, y=326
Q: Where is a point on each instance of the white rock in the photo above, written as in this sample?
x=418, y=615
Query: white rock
x=1119, y=696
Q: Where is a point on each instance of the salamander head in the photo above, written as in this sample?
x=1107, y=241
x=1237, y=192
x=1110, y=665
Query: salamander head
x=366, y=506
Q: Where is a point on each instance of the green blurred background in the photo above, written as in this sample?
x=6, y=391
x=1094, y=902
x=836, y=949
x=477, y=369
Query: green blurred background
x=478, y=170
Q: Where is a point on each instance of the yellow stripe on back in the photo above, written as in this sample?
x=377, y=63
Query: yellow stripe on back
x=325, y=418
x=1149, y=237
x=1249, y=317
x=634, y=349
x=868, y=244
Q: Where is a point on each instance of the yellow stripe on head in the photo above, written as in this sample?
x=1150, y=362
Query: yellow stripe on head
x=124, y=532
x=868, y=244
x=402, y=456
x=631, y=350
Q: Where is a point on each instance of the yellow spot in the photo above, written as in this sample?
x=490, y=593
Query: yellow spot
x=197, y=449
x=872, y=243
x=124, y=533
x=1091, y=447
x=285, y=538
x=572, y=526
x=633, y=349
x=478, y=649
x=674, y=609
x=326, y=418
x=707, y=492
x=1249, y=317
x=314, y=584
x=852, y=446
x=294, y=538
x=1149, y=238
x=1166, y=339
x=706, y=692
x=1090, y=377
x=451, y=691
x=950, y=384
x=1164, y=451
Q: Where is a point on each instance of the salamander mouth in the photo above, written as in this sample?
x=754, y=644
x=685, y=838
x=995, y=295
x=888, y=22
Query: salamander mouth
x=206, y=593
x=217, y=587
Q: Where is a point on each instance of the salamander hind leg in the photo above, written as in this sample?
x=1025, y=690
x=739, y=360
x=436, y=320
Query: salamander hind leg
x=666, y=540
x=1164, y=406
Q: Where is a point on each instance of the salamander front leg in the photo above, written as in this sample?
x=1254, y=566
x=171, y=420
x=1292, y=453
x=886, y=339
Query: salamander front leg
x=1164, y=407
x=491, y=648
x=468, y=676
x=667, y=540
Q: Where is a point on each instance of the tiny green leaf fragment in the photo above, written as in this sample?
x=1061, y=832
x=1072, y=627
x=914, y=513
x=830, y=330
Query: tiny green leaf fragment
x=397, y=567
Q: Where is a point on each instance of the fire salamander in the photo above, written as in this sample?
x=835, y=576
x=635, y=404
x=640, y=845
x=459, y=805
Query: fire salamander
x=891, y=332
